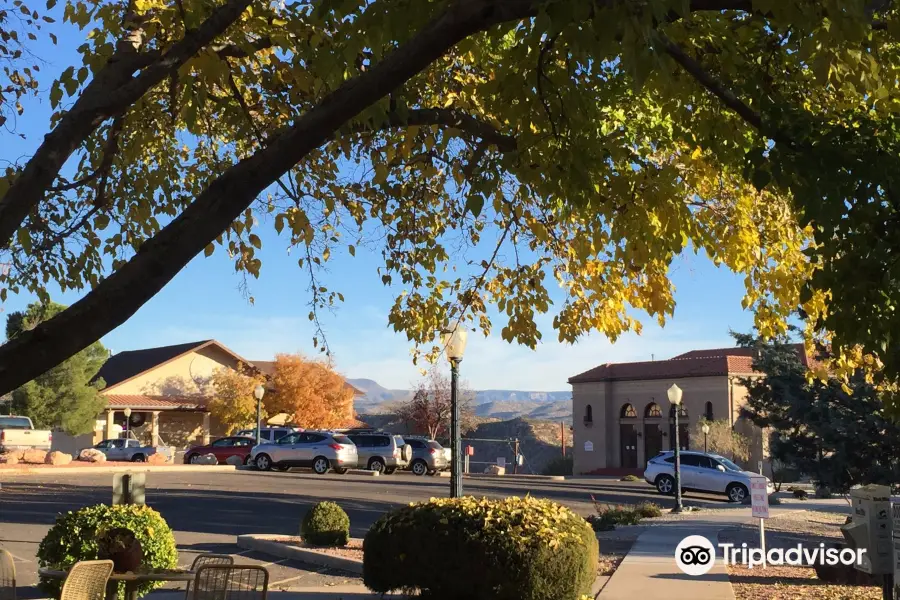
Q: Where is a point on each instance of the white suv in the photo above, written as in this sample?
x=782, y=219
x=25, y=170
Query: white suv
x=701, y=472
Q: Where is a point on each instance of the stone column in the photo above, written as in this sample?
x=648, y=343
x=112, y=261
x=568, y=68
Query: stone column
x=154, y=428
x=110, y=421
x=205, y=428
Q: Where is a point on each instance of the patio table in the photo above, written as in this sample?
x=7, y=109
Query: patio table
x=131, y=579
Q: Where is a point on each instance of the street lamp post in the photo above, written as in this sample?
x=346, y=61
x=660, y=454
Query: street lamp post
x=705, y=430
x=454, y=341
x=127, y=412
x=258, y=393
x=675, y=395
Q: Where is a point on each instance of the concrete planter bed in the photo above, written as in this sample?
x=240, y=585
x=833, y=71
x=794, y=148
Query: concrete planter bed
x=347, y=559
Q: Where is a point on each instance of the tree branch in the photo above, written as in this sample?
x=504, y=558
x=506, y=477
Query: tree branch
x=716, y=88
x=112, y=91
x=160, y=258
x=235, y=51
x=448, y=118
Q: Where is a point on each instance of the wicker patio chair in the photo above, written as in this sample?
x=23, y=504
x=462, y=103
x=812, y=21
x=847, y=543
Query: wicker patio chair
x=7, y=576
x=205, y=560
x=239, y=582
x=87, y=580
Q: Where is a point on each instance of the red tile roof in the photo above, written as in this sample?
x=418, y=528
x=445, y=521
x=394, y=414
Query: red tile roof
x=138, y=401
x=696, y=363
x=668, y=369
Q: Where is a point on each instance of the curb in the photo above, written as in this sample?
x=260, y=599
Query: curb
x=133, y=468
x=364, y=472
x=513, y=476
x=265, y=543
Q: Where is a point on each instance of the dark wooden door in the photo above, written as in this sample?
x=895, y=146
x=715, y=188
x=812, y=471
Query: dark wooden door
x=652, y=440
x=628, y=446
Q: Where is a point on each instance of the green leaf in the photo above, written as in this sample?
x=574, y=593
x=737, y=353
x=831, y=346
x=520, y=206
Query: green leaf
x=474, y=204
x=101, y=222
x=55, y=95
x=761, y=179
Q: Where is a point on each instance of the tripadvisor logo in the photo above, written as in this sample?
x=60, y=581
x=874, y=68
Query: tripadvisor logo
x=695, y=555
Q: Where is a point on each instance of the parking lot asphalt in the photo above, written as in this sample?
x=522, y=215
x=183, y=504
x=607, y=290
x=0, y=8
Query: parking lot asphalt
x=208, y=510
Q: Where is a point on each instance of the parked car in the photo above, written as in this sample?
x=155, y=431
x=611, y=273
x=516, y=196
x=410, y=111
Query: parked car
x=129, y=450
x=320, y=450
x=223, y=449
x=428, y=456
x=267, y=434
x=380, y=451
x=18, y=433
x=701, y=472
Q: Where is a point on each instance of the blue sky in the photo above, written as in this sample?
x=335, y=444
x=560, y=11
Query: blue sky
x=204, y=302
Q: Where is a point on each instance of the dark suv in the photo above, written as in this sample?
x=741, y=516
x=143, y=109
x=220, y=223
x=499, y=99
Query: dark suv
x=380, y=451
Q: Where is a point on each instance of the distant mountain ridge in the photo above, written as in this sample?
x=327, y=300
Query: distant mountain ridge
x=501, y=404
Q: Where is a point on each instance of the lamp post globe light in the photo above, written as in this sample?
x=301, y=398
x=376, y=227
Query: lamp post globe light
x=258, y=393
x=705, y=430
x=454, y=342
x=127, y=413
x=675, y=394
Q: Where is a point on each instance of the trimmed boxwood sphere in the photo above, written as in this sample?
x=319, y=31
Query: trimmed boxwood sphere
x=75, y=537
x=482, y=549
x=326, y=524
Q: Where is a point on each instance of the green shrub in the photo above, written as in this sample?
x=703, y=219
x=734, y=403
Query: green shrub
x=326, y=524
x=75, y=537
x=823, y=492
x=509, y=549
x=561, y=465
x=609, y=516
x=648, y=510
x=630, y=478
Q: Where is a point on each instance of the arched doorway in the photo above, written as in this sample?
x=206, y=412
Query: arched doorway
x=652, y=430
x=684, y=428
x=628, y=435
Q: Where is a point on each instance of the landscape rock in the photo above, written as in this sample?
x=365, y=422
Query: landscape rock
x=495, y=470
x=57, y=458
x=92, y=455
x=34, y=456
x=207, y=459
x=10, y=458
x=234, y=460
x=157, y=459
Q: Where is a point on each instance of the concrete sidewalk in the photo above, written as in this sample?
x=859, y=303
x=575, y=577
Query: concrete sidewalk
x=650, y=568
x=651, y=562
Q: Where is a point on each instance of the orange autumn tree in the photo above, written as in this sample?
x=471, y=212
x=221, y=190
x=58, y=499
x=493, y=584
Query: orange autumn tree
x=310, y=391
x=233, y=403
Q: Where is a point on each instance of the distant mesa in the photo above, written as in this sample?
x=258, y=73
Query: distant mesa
x=498, y=404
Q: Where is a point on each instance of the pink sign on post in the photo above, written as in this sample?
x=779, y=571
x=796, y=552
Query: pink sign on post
x=759, y=498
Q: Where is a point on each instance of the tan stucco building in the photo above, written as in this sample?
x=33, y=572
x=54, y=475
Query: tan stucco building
x=622, y=415
x=167, y=390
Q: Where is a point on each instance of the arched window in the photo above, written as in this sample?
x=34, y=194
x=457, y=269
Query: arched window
x=682, y=412
x=653, y=410
x=588, y=414
x=709, y=411
x=628, y=412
